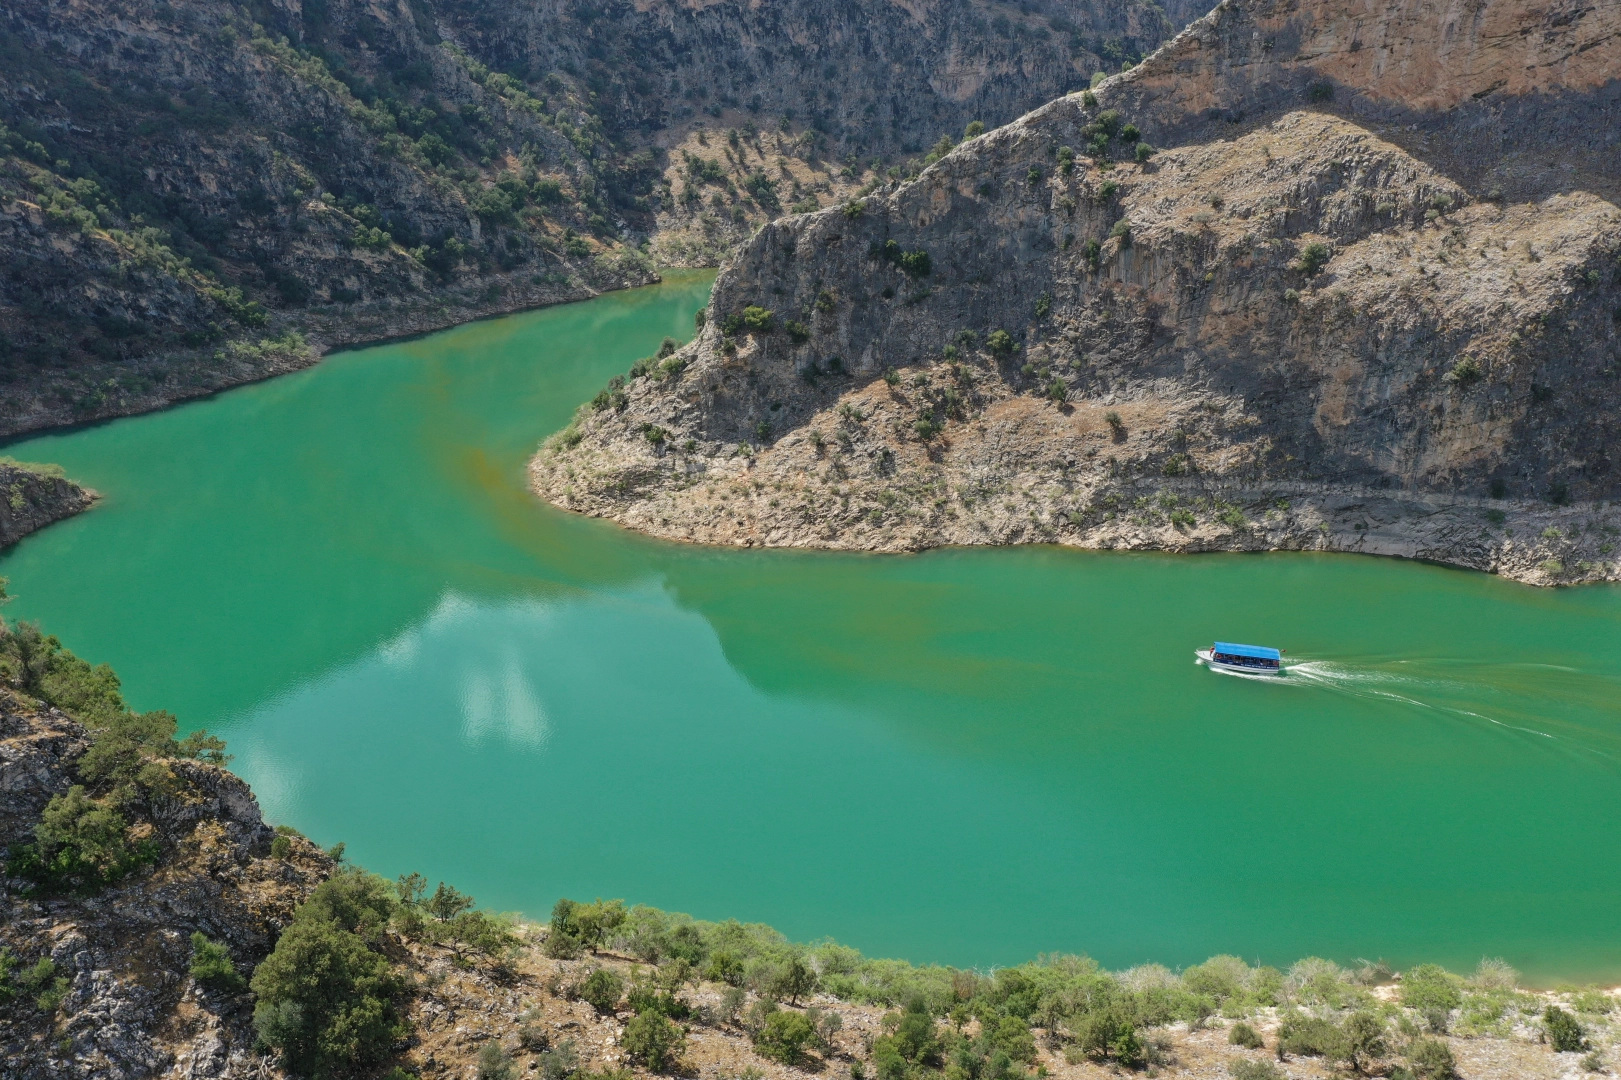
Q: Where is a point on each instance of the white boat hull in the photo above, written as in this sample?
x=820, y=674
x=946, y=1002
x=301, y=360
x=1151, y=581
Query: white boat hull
x=1237, y=669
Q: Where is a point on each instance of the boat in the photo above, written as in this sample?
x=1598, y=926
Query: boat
x=1241, y=659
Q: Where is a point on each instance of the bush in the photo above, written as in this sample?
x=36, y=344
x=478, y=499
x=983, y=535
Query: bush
x=1241, y=1034
x=1122, y=232
x=326, y=999
x=784, y=1036
x=1310, y=1036
x=1313, y=257
x=42, y=982
x=653, y=1040
x=211, y=965
x=494, y=1063
x=1110, y=1032
x=1428, y=988
x=1431, y=1059
x=1255, y=1070
x=1465, y=372
x=757, y=319
x=602, y=990
x=1001, y=343
x=1563, y=1032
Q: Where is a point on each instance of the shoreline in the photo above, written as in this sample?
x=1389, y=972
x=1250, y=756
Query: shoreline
x=198, y=373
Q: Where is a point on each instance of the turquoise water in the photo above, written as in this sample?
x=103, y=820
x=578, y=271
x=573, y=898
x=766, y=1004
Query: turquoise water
x=967, y=756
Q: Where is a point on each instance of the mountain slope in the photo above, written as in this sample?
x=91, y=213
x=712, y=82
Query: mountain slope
x=1299, y=324
x=195, y=194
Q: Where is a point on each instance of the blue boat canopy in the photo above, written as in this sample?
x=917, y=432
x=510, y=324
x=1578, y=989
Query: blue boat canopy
x=1256, y=651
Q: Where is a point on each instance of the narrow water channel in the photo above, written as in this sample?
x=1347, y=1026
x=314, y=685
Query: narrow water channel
x=966, y=756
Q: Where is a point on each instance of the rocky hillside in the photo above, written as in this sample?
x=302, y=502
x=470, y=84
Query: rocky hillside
x=160, y=970
x=33, y=496
x=1258, y=292
x=194, y=194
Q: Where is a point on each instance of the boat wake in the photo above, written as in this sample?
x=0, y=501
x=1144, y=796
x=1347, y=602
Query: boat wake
x=1542, y=701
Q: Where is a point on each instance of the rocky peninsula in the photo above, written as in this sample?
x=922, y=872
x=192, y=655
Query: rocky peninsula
x=1253, y=294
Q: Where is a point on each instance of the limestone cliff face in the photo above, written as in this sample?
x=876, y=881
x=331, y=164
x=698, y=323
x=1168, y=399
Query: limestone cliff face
x=33, y=496
x=1292, y=326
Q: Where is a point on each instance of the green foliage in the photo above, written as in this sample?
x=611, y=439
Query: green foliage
x=974, y=129
x=1310, y=1036
x=1241, y=1034
x=211, y=965
x=1143, y=152
x=81, y=846
x=325, y=997
x=653, y=1040
x=1092, y=254
x=784, y=1036
x=1428, y=987
x=1001, y=343
x=1465, y=372
x=1313, y=257
x=1109, y=1032
x=757, y=319
x=602, y=990
x=1431, y=1059
x=40, y=983
x=1245, y=1069
x=1122, y=232
x=1563, y=1031
x=494, y=1063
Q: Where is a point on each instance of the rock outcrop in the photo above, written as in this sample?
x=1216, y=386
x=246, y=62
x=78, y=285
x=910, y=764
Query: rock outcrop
x=1328, y=312
x=33, y=496
x=129, y=1007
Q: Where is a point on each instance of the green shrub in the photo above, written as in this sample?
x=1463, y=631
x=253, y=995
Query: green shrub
x=1109, y=1032
x=1241, y=1034
x=1431, y=1059
x=1430, y=987
x=325, y=997
x=602, y=990
x=1310, y=1036
x=1562, y=1030
x=798, y=332
x=1000, y=343
x=494, y=1063
x=211, y=965
x=1122, y=232
x=41, y=983
x=784, y=1036
x=651, y=1039
x=1255, y=1070
x=1465, y=372
x=1092, y=253
x=757, y=319
x=1143, y=152
x=1313, y=257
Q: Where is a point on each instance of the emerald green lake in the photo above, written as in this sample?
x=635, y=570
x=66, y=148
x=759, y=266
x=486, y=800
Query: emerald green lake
x=969, y=756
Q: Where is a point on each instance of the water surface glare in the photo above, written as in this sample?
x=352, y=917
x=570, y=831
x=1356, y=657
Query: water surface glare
x=966, y=756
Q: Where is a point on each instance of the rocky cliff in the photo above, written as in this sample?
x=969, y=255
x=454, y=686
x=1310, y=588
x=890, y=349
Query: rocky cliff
x=197, y=194
x=1308, y=277
x=33, y=496
x=124, y=1006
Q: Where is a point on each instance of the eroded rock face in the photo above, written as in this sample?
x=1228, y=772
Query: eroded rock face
x=131, y=1007
x=1300, y=330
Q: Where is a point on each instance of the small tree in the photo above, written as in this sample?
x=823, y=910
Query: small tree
x=602, y=989
x=784, y=1036
x=1313, y=257
x=653, y=1040
x=1431, y=1059
x=1242, y=1034
x=1363, y=1040
x=1564, y=1033
x=494, y=1063
x=211, y=965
